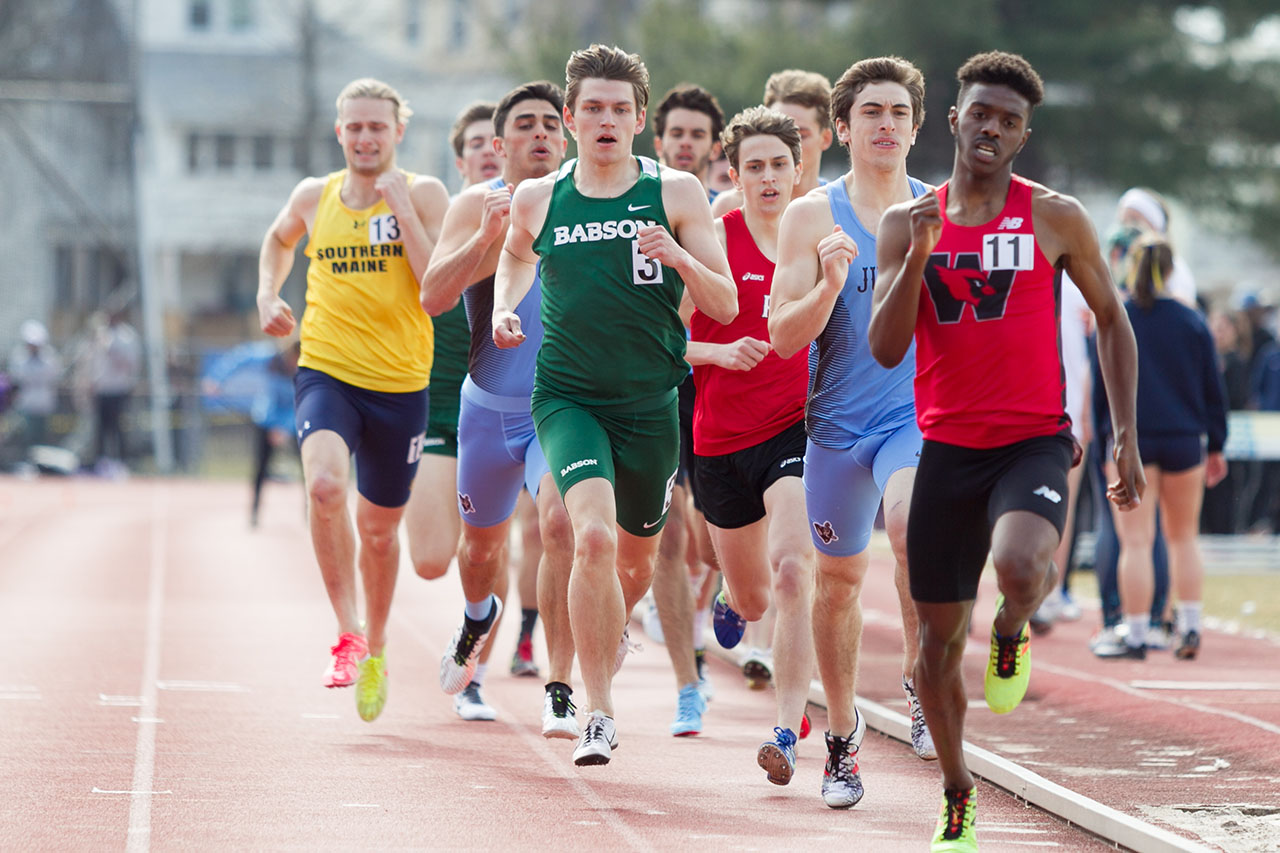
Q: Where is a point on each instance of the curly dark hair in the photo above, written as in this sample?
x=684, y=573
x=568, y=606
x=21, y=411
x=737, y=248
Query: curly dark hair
x=998, y=68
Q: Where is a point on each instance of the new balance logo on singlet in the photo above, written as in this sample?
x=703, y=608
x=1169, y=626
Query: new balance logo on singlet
x=1012, y=222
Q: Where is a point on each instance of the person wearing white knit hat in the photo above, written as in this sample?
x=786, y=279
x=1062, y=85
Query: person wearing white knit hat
x=1145, y=209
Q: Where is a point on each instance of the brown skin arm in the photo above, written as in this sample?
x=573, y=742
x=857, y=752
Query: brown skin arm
x=907, y=234
x=1066, y=237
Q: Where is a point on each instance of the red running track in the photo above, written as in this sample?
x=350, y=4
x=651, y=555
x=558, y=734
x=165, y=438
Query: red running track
x=165, y=693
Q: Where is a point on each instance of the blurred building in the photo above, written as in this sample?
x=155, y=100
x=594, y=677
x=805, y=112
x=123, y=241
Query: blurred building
x=237, y=104
x=66, y=117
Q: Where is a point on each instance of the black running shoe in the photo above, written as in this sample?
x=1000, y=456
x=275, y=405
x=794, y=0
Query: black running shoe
x=1189, y=647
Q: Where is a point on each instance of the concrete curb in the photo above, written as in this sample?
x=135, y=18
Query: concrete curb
x=1091, y=815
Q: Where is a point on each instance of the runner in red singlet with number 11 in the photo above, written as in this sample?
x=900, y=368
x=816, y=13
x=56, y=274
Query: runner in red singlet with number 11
x=973, y=271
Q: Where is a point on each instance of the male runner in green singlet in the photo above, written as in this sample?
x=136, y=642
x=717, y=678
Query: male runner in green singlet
x=619, y=240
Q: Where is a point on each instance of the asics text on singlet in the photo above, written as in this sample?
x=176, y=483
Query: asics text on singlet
x=988, y=365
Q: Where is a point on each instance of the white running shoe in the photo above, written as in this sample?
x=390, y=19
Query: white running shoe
x=558, y=712
x=599, y=740
x=921, y=740
x=471, y=706
x=458, y=664
x=625, y=647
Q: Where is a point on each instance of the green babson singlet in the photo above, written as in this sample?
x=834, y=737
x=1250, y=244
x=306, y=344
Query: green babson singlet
x=612, y=333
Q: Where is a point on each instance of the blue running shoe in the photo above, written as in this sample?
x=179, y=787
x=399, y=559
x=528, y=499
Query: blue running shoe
x=689, y=709
x=778, y=756
x=729, y=626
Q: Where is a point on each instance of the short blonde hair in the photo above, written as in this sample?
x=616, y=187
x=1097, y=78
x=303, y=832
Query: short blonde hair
x=803, y=88
x=367, y=87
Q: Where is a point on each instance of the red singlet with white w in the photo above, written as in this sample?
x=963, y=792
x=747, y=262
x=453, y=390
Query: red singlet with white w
x=988, y=364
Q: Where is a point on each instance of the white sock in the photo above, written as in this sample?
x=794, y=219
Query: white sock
x=1189, y=615
x=1137, y=630
x=481, y=669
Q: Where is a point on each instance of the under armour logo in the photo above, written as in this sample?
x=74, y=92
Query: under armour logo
x=1011, y=222
x=825, y=532
x=1048, y=493
x=464, y=501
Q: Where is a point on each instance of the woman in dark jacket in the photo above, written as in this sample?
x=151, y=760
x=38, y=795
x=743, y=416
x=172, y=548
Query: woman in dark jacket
x=1182, y=425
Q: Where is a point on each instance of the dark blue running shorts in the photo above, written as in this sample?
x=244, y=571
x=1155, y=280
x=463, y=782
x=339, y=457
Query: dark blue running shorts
x=384, y=430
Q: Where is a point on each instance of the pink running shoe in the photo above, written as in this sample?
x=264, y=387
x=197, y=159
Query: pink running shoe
x=342, y=671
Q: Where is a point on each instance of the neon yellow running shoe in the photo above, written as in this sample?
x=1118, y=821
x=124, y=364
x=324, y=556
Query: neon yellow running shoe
x=955, y=833
x=371, y=687
x=1008, y=668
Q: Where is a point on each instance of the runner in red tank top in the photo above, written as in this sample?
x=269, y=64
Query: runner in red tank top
x=748, y=432
x=743, y=408
x=991, y=299
x=974, y=279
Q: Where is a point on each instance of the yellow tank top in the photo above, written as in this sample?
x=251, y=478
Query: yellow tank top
x=363, y=324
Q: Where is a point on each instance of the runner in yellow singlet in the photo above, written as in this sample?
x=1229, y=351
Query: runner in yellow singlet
x=366, y=357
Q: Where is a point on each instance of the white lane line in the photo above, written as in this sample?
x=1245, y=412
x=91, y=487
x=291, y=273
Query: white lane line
x=119, y=701
x=1205, y=685
x=20, y=692
x=203, y=686
x=1156, y=697
x=361, y=806
x=555, y=761
x=98, y=790
x=144, y=759
x=320, y=716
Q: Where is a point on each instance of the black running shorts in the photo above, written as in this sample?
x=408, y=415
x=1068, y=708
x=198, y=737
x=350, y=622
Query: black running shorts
x=958, y=496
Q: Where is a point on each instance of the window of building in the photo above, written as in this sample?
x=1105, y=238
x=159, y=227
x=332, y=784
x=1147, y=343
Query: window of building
x=199, y=14
x=263, y=152
x=193, y=152
x=224, y=148
x=412, y=21
x=241, y=14
x=458, y=25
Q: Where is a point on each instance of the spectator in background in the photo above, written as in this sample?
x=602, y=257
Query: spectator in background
x=1222, y=510
x=1110, y=639
x=1145, y=210
x=1180, y=405
x=115, y=366
x=35, y=371
x=271, y=407
x=1257, y=310
x=1265, y=390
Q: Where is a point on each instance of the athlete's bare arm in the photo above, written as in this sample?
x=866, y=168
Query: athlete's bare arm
x=419, y=210
x=470, y=243
x=813, y=261
x=692, y=250
x=1066, y=236
x=725, y=202
x=907, y=234
x=518, y=263
x=275, y=259
x=743, y=354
